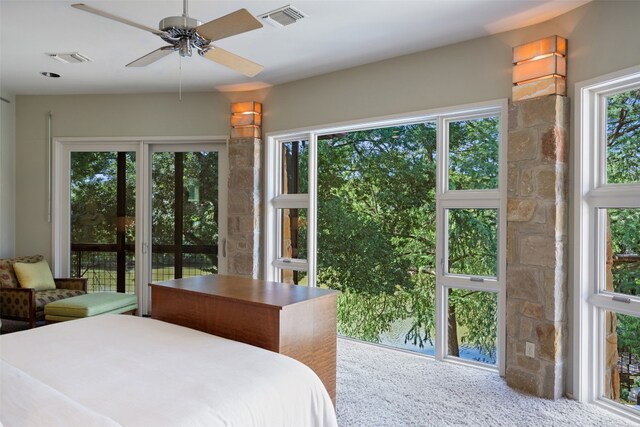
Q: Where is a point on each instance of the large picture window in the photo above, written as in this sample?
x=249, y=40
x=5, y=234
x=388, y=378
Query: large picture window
x=414, y=244
x=607, y=232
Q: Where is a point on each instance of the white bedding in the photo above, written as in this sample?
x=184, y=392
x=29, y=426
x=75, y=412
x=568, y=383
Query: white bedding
x=141, y=372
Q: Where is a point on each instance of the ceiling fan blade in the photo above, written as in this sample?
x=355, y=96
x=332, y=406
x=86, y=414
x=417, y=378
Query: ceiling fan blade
x=152, y=57
x=84, y=7
x=234, y=23
x=233, y=61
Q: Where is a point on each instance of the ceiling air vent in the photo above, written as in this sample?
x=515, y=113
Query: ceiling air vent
x=283, y=16
x=70, y=58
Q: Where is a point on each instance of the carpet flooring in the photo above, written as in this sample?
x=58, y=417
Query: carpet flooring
x=377, y=386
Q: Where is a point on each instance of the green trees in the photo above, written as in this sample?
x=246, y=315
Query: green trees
x=94, y=186
x=377, y=230
x=194, y=221
x=184, y=222
x=623, y=166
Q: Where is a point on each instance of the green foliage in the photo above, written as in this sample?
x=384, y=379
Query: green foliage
x=94, y=195
x=199, y=194
x=628, y=330
x=625, y=241
x=422, y=309
x=477, y=313
x=473, y=154
x=377, y=229
x=365, y=316
x=473, y=241
x=623, y=166
x=624, y=393
x=623, y=137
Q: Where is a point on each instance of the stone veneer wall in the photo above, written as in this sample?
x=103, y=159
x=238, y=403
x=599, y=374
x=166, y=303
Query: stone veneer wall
x=537, y=245
x=244, y=252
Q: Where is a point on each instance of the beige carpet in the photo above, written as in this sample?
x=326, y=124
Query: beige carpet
x=381, y=387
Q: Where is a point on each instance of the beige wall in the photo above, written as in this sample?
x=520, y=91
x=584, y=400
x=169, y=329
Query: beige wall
x=7, y=175
x=603, y=37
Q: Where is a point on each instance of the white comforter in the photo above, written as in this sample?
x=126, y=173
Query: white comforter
x=126, y=370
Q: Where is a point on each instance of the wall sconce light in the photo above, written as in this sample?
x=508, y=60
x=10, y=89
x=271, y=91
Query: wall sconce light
x=540, y=68
x=246, y=119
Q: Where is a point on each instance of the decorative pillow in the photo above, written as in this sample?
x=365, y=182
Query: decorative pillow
x=34, y=275
x=7, y=275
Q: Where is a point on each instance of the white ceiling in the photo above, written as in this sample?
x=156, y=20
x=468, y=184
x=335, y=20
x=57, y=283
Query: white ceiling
x=336, y=34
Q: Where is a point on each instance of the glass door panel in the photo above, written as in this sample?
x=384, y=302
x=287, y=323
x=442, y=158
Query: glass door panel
x=103, y=192
x=184, y=215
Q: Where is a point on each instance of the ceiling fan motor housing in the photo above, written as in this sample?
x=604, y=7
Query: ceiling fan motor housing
x=180, y=31
x=181, y=22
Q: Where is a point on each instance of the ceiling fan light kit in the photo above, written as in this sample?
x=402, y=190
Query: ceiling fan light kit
x=185, y=34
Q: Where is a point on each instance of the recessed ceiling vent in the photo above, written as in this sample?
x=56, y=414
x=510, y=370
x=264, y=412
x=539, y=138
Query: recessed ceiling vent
x=283, y=16
x=70, y=58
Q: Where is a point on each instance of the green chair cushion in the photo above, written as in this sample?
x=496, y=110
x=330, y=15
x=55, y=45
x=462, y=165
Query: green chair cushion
x=91, y=305
x=56, y=318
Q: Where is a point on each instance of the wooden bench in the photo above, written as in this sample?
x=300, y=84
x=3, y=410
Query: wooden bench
x=89, y=305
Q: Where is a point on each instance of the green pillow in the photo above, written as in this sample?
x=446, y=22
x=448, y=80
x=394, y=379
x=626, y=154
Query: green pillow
x=36, y=275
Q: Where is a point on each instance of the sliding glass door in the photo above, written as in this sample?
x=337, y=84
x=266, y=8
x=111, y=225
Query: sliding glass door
x=185, y=213
x=126, y=213
x=103, y=200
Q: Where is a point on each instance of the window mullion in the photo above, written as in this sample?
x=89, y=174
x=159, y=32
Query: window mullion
x=312, y=211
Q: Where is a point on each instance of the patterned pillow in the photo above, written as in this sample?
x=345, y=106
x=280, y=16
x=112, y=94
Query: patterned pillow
x=8, y=277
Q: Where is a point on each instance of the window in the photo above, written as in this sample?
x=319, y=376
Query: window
x=472, y=260
x=607, y=233
x=415, y=245
x=287, y=245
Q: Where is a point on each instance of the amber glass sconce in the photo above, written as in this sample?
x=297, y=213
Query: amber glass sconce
x=540, y=68
x=246, y=119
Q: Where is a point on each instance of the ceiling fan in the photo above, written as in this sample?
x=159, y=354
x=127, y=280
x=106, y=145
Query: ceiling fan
x=185, y=34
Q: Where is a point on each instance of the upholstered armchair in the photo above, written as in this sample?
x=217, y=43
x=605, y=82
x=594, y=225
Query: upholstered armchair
x=27, y=304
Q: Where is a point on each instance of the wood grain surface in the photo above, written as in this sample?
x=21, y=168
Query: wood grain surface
x=296, y=321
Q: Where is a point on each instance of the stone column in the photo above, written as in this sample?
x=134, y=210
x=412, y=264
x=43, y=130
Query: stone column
x=244, y=252
x=537, y=245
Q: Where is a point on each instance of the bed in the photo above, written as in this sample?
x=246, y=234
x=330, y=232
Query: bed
x=115, y=370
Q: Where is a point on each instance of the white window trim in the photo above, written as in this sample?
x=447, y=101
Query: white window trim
x=460, y=198
x=591, y=193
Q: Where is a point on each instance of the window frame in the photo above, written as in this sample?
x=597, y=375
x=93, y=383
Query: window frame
x=445, y=198
x=470, y=199
x=592, y=192
x=275, y=201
